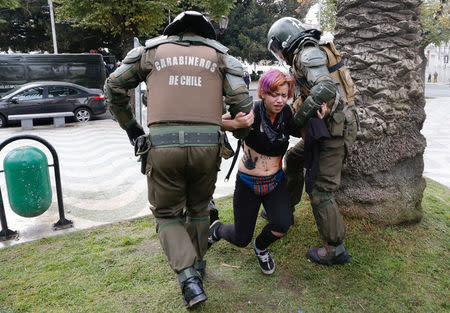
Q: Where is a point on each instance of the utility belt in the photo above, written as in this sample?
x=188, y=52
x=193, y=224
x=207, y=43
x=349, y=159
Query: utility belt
x=190, y=136
x=182, y=136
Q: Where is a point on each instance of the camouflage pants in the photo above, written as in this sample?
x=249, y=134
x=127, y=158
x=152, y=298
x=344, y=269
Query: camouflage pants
x=181, y=182
x=326, y=212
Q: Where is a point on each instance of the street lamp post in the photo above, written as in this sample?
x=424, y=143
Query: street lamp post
x=52, y=21
x=223, y=24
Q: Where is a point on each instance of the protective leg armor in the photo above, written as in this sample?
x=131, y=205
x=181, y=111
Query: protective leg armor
x=328, y=218
x=191, y=287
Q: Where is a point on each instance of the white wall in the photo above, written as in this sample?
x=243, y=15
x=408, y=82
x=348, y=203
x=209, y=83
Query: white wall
x=436, y=62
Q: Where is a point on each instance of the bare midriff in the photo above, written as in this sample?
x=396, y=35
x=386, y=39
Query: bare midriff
x=257, y=164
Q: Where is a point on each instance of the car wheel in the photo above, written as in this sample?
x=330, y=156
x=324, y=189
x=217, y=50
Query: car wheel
x=82, y=115
x=2, y=121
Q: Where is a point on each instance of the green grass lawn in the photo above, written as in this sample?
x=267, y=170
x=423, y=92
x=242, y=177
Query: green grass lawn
x=121, y=268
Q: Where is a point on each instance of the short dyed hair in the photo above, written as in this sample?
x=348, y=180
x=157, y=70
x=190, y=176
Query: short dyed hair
x=272, y=79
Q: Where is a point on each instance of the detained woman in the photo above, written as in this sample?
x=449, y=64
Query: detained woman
x=260, y=178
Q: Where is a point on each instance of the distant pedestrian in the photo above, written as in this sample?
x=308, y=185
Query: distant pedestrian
x=247, y=79
x=429, y=78
x=435, y=75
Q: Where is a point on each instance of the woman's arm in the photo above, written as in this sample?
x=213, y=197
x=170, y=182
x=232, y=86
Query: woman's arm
x=241, y=120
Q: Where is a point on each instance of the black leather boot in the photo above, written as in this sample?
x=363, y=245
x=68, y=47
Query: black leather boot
x=329, y=255
x=193, y=293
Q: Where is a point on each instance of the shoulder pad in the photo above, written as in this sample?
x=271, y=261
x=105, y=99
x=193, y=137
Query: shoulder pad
x=133, y=55
x=153, y=42
x=313, y=56
x=233, y=66
x=216, y=45
x=206, y=41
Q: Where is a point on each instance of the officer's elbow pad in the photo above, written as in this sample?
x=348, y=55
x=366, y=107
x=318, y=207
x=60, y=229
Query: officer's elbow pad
x=307, y=110
x=245, y=105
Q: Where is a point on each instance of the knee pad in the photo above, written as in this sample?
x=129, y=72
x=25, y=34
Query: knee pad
x=328, y=218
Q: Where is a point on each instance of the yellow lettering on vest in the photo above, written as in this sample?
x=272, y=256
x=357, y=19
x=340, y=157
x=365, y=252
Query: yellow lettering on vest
x=173, y=80
x=175, y=61
x=213, y=67
x=169, y=61
x=157, y=66
x=202, y=62
x=191, y=61
x=208, y=64
x=163, y=63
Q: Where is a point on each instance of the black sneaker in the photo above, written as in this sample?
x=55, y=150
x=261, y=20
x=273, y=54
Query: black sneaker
x=193, y=292
x=266, y=262
x=328, y=255
x=212, y=237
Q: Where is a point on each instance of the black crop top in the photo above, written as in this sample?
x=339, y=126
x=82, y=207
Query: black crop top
x=274, y=140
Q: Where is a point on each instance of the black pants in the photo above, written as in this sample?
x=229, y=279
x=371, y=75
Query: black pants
x=246, y=207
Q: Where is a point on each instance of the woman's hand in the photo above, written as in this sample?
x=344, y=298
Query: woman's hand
x=323, y=111
x=241, y=120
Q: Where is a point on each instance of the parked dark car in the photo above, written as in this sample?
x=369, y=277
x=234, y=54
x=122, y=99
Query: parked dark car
x=49, y=97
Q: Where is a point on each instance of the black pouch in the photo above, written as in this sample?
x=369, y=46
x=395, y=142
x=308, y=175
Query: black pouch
x=141, y=148
x=226, y=151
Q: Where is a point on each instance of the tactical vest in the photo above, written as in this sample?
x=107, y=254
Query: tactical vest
x=185, y=85
x=338, y=71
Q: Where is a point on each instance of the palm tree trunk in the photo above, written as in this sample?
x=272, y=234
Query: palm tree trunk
x=380, y=41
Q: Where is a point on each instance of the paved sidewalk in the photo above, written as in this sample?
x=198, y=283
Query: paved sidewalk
x=102, y=183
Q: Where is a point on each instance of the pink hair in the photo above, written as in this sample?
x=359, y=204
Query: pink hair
x=272, y=79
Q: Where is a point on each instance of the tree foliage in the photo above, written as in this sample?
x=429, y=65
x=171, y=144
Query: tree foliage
x=133, y=18
x=247, y=29
x=10, y=4
x=435, y=22
x=250, y=20
x=28, y=29
x=6, y=5
x=328, y=15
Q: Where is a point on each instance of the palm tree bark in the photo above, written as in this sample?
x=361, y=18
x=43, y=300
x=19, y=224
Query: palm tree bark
x=379, y=41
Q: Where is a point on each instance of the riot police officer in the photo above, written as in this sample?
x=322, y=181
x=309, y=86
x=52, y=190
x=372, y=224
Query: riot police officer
x=290, y=42
x=187, y=74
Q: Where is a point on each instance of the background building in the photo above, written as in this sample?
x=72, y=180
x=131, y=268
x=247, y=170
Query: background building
x=438, y=58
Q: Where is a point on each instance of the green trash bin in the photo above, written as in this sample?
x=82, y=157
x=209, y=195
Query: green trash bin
x=27, y=181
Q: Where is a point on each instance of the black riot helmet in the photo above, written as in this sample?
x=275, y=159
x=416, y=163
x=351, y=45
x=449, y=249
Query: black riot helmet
x=285, y=35
x=191, y=21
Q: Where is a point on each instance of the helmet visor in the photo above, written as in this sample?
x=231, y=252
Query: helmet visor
x=276, y=48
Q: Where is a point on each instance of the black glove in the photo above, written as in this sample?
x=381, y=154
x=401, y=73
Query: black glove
x=141, y=148
x=133, y=132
